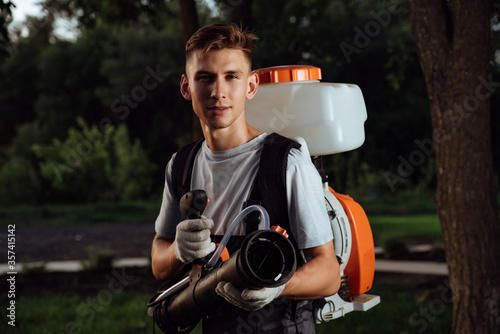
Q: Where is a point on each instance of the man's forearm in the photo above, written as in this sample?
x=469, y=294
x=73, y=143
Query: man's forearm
x=319, y=277
x=164, y=263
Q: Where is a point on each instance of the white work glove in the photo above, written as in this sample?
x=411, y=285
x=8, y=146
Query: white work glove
x=248, y=299
x=192, y=239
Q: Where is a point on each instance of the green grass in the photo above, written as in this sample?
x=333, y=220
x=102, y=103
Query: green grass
x=79, y=214
x=125, y=312
x=104, y=312
x=405, y=226
x=399, y=203
x=399, y=312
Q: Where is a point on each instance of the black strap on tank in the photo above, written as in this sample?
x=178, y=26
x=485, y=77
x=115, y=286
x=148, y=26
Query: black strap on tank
x=182, y=167
x=269, y=188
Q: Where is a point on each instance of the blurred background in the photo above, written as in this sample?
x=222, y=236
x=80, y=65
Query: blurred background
x=90, y=113
x=81, y=122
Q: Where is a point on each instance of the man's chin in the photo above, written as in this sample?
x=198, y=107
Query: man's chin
x=219, y=124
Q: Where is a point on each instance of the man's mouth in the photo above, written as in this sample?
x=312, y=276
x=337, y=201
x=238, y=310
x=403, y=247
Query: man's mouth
x=218, y=110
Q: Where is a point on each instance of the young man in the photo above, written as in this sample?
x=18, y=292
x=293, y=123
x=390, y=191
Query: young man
x=218, y=80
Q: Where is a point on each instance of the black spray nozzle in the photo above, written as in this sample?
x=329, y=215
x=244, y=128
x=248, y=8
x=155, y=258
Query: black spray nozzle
x=265, y=259
x=193, y=203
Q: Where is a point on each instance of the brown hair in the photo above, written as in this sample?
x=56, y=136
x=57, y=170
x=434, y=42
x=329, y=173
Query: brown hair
x=221, y=36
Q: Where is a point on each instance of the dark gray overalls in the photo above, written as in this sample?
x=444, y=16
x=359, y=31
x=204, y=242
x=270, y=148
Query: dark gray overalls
x=282, y=316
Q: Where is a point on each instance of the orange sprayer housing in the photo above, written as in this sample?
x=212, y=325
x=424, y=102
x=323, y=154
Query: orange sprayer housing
x=361, y=265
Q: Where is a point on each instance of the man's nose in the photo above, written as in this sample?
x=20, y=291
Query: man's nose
x=219, y=89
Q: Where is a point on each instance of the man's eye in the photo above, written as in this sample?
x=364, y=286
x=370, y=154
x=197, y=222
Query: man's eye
x=232, y=77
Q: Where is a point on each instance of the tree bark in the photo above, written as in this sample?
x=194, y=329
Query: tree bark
x=241, y=13
x=453, y=43
x=189, y=19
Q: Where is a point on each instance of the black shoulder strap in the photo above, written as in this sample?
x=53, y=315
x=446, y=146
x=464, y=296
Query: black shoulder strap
x=270, y=185
x=182, y=167
x=269, y=188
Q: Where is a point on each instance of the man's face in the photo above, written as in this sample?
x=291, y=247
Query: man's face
x=218, y=85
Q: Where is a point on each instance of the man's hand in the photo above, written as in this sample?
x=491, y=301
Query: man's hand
x=248, y=299
x=192, y=239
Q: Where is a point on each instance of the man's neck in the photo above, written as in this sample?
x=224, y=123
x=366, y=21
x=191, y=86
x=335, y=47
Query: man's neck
x=228, y=138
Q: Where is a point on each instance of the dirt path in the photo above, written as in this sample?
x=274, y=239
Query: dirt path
x=73, y=243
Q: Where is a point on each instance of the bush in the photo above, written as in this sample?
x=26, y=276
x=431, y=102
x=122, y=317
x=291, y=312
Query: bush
x=19, y=181
x=35, y=268
x=95, y=164
x=100, y=260
x=132, y=178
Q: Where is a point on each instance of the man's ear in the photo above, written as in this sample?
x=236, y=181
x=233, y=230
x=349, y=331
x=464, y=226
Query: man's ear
x=185, y=90
x=253, y=85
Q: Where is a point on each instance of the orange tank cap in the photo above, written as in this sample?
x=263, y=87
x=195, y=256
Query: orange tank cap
x=288, y=73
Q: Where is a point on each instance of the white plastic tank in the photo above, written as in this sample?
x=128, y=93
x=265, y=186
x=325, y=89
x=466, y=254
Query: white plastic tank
x=293, y=102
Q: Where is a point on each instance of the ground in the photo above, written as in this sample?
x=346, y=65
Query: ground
x=73, y=243
x=43, y=244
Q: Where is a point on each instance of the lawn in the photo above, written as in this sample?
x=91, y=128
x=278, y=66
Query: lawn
x=80, y=214
x=405, y=226
x=125, y=312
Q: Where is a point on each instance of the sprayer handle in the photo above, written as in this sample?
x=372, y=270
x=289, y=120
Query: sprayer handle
x=193, y=203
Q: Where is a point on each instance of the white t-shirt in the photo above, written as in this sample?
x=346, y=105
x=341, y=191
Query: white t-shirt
x=227, y=177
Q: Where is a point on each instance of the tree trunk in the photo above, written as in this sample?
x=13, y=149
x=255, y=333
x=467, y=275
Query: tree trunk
x=453, y=43
x=189, y=19
x=241, y=13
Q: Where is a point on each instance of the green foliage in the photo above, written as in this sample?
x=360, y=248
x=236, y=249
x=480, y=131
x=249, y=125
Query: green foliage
x=90, y=13
x=123, y=68
x=19, y=181
x=5, y=19
x=349, y=174
x=94, y=164
x=18, y=88
x=79, y=166
x=133, y=177
x=34, y=268
x=100, y=260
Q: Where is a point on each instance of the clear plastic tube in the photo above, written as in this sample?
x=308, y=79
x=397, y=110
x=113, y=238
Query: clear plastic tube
x=264, y=216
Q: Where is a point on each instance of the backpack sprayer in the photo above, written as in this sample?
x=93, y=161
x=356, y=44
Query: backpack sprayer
x=325, y=118
x=266, y=259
